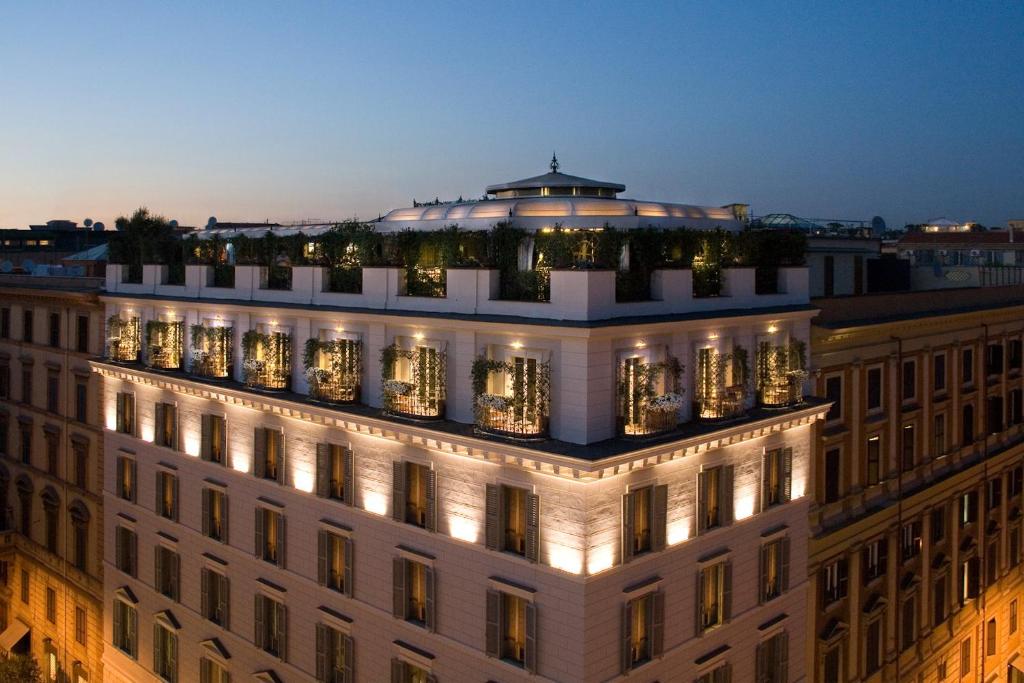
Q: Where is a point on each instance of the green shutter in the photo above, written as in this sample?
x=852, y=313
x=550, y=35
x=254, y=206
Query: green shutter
x=787, y=474
x=322, y=557
x=530, y=661
x=659, y=517
x=492, y=500
x=206, y=447
x=259, y=452
x=657, y=605
x=431, y=599
x=492, y=627
x=627, y=638
x=323, y=469
x=260, y=534
x=432, y=500
x=348, y=462
x=398, y=587
x=349, y=580
x=323, y=638
x=628, y=527
x=398, y=491
x=532, y=527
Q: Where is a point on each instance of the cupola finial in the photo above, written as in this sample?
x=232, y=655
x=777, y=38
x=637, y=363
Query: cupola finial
x=554, y=163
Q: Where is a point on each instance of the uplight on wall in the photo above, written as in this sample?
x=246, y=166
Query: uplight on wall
x=798, y=487
x=111, y=418
x=744, y=507
x=418, y=336
x=463, y=529
x=240, y=462
x=147, y=433
x=517, y=345
x=303, y=479
x=192, y=445
x=678, y=531
x=375, y=502
x=567, y=559
x=600, y=559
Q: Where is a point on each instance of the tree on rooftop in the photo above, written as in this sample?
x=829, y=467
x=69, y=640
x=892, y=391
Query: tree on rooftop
x=20, y=669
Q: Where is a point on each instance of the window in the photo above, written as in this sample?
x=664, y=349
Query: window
x=874, y=460
x=26, y=382
x=965, y=657
x=334, y=656
x=127, y=550
x=993, y=493
x=874, y=389
x=126, y=478
x=830, y=275
x=214, y=599
x=167, y=572
x=910, y=540
x=1013, y=616
x=334, y=562
x=404, y=672
x=126, y=629
x=54, y=337
x=81, y=625
x=968, y=508
x=334, y=472
x=833, y=468
x=774, y=569
x=165, y=653
x=51, y=605
x=994, y=359
x=832, y=665
x=873, y=647
x=25, y=586
x=874, y=557
x=513, y=520
x=907, y=443
x=643, y=520
x=80, y=457
x=211, y=671
x=414, y=488
x=271, y=626
x=773, y=659
x=51, y=440
x=270, y=536
x=940, y=600
x=642, y=630
x=82, y=335
x=714, y=498
x=5, y=380
x=126, y=413
x=1016, y=412
x=1013, y=554
x=967, y=425
x=51, y=522
x=167, y=495
x=165, y=428
x=269, y=454
x=511, y=629
x=413, y=584
x=776, y=477
x=939, y=435
x=939, y=371
x=908, y=623
x=82, y=400
x=909, y=380
x=990, y=638
x=5, y=323
x=834, y=393
x=942, y=670
x=992, y=562
x=53, y=391
x=714, y=596
x=970, y=580
x=833, y=581
x=80, y=538
x=720, y=674
x=215, y=515
x=214, y=446
x=26, y=326
x=967, y=366
x=994, y=414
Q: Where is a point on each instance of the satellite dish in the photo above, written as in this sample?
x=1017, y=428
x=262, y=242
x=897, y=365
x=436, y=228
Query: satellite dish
x=98, y=226
x=211, y=222
x=173, y=223
x=28, y=264
x=87, y=222
x=6, y=267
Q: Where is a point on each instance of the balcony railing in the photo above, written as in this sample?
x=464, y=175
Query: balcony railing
x=164, y=345
x=510, y=421
x=723, y=406
x=648, y=422
x=333, y=387
x=276, y=277
x=123, y=339
x=780, y=394
x=412, y=403
x=221, y=275
x=261, y=374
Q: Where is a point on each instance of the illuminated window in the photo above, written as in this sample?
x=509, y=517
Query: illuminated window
x=644, y=512
x=413, y=591
x=126, y=413
x=335, y=650
x=414, y=488
x=165, y=428
x=511, y=629
x=513, y=523
x=126, y=479
x=334, y=476
x=215, y=595
x=776, y=477
x=334, y=562
x=269, y=454
x=774, y=569
x=126, y=628
x=214, y=444
x=714, y=595
x=270, y=626
x=772, y=658
x=166, y=572
x=215, y=515
x=714, y=498
x=270, y=536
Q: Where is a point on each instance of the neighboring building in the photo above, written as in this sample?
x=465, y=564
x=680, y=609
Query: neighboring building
x=839, y=264
x=51, y=440
x=48, y=244
x=457, y=487
x=915, y=551
x=963, y=258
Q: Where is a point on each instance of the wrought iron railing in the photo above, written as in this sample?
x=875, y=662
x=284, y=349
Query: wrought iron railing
x=647, y=422
x=512, y=421
x=336, y=388
x=414, y=405
x=723, y=406
x=779, y=394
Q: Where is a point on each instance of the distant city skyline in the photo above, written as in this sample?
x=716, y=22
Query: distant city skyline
x=283, y=113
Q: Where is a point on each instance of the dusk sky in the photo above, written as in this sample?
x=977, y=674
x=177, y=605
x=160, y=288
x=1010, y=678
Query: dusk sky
x=325, y=110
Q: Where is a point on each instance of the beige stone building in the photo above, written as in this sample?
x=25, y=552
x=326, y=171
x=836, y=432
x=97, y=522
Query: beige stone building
x=311, y=485
x=915, y=551
x=51, y=476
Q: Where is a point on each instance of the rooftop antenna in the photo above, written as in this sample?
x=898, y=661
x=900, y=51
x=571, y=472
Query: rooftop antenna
x=554, y=163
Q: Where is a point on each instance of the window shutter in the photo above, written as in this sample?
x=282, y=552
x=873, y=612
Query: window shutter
x=258, y=621
x=765, y=462
x=432, y=500
x=628, y=525
x=134, y=475
x=657, y=623
x=492, y=630
x=206, y=512
x=174, y=498
x=259, y=453
x=787, y=474
x=431, y=599
x=118, y=624
x=260, y=534
x=133, y=631
x=349, y=665
x=172, y=656
x=762, y=574
x=493, y=504
x=158, y=566
x=323, y=469
x=175, y=575
x=348, y=462
x=278, y=438
x=159, y=489
x=282, y=629
x=627, y=637
x=133, y=553
x=224, y=500
x=120, y=412
x=398, y=587
x=702, y=502
x=726, y=497
x=761, y=665
x=204, y=671
x=398, y=491
x=532, y=527
x=204, y=593
x=224, y=599
x=659, y=517
x=785, y=563
x=397, y=671
x=121, y=462
x=159, y=432
x=530, y=663
x=727, y=590
x=174, y=429
x=281, y=536
x=206, y=446
x=158, y=649
x=782, y=656
x=700, y=602
x=323, y=637
x=322, y=557
x=349, y=579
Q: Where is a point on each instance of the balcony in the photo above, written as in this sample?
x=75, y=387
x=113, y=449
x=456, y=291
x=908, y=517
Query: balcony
x=266, y=363
x=780, y=394
x=123, y=339
x=164, y=344
x=500, y=416
x=221, y=275
x=212, y=352
x=726, y=405
x=652, y=420
x=518, y=403
x=334, y=370
x=405, y=399
x=277, y=278
x=413, y=381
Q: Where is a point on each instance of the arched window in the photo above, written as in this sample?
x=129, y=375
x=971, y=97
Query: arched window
x=51, y=506
x=79, y=534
